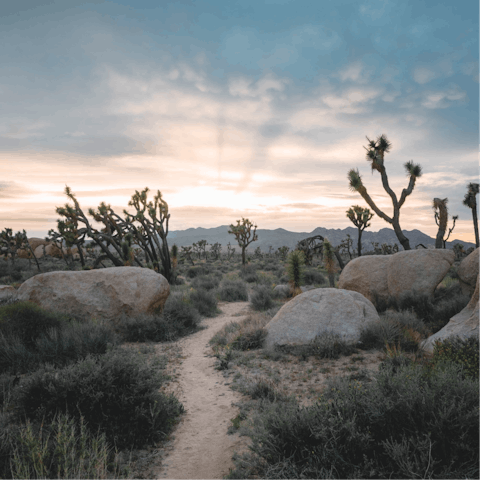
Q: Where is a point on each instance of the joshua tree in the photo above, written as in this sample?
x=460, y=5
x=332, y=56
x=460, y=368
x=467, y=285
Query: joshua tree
x=148, y=232
x=346, y=245
x=360, y=217
x=296, y=269
x=470, y=201
x=375, y=155
x=216, y=250
x=187, y=254
x=329, y=261
x=10, y=244
x=441, y=219
x=244, y=234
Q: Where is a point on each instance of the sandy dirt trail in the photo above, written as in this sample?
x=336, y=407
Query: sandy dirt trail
x=201, y=448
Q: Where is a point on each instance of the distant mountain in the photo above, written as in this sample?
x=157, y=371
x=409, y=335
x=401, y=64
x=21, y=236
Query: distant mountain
x=280, y=237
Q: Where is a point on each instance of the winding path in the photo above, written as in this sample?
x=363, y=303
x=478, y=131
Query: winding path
x=202, y=449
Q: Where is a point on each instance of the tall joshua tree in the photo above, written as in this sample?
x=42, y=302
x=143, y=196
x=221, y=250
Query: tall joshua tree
x=375, y=155
x=360, y=217
x=470, y=201
x=244, y=234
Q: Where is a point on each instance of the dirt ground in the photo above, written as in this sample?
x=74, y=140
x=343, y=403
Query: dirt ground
x=200, y=446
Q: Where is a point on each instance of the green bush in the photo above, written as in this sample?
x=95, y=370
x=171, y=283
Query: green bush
x=403, y=329
x=407, y=424
x=53, y=340
x=27, y=321
x=179, y=310
x=198, y=270
x=435, y=313
x=460, y=351
x=313, y=277
x=233, y=291
x=205, y=282
x=326, y=345
x=262, y=298
x=249, y=340
x=116, y=393
x=205, y=302
x=150, y=328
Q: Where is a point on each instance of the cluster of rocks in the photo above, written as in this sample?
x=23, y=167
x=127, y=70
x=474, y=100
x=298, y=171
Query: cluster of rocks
x=110, y=292
x=42, y=247
x=371, y=278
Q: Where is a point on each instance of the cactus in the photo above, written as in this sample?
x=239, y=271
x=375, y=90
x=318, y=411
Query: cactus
x=360, y=217
x=244, y=235
x=375, y=155
x=296, y=269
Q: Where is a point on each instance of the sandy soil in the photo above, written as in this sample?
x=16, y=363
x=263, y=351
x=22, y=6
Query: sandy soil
x=201, y=447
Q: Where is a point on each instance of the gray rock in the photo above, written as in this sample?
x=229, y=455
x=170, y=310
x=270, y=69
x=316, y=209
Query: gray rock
x=307, y=288
x=324, y=309
x=7, y=292
x=464, y=324
x=468, y=272
x=366, y=275
x=105, y=293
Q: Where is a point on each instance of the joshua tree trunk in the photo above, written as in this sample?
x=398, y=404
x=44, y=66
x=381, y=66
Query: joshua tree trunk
x=359, y=243
x=243, y=256
x=475, y=224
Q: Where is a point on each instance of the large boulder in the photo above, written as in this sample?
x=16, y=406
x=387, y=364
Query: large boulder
x=463, y=324
x=53, y=251
x=39, y=251
x=366, y=275
x=312, y=313
x=468, y=272
x=104, y=293
x=283, y=291
x=36, y=242
x=418, y=271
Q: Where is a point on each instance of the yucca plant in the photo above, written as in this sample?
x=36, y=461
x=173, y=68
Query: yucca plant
x=329, y=261
x=296, y=269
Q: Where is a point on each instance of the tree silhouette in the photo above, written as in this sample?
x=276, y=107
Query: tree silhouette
x=244, y=234
x=470, y=201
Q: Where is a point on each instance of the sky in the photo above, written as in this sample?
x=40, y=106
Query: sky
x=252, y=108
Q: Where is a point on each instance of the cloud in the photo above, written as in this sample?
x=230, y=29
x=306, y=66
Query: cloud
x=423, y=75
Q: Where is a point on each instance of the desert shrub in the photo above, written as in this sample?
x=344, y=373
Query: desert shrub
x=284, y=279
x=313, y=277
x=262, y=298
x=407, y=424
x=179, y=310
x=462, y=351
x=249, y=340
x=435, y=312
x=205, y=302
x=150, y=328
x=247, y=270
x=58, y=345
x=198, y=270
x=233, y=291
x=206, y=282
x=262, y=389
x=326, y=345
x=116, y=394
x=62, y=449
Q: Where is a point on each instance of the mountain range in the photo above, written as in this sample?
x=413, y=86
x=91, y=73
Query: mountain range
x=280, y=237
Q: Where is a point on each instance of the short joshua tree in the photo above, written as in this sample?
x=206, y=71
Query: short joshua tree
x=360, y=217
x=245, y=234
